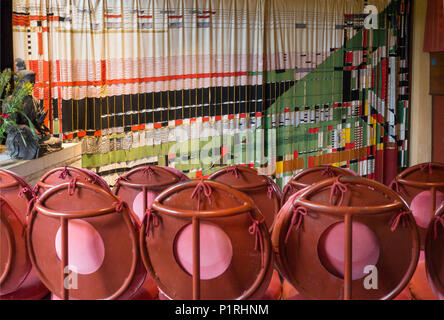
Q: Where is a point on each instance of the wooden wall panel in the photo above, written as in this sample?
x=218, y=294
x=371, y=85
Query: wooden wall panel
x=437, y=73
x=438, y=129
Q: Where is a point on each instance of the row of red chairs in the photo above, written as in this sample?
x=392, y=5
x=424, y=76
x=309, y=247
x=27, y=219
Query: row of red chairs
x=329, y=234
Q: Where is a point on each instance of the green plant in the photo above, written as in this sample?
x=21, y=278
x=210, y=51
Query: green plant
x=11, y=103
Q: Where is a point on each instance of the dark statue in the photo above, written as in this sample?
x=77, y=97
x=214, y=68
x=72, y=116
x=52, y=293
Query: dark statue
x=46, y=143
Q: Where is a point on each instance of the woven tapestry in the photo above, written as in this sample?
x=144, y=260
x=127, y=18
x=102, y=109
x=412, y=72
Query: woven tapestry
x=200, y=84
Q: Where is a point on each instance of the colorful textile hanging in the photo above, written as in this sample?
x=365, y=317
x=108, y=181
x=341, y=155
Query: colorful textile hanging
x=274, y=84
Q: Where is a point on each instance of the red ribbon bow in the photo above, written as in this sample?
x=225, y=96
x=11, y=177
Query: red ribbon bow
x=119, y=205
x=395, y=185
x=26, y=191
x=288, y=187
x=234, y=170
x=72, y=186
x=336, y=188
x=148, y=171
x=255, y=231
x=201, y=187
x=399, y=218
x=65, y=173
x=296, y=220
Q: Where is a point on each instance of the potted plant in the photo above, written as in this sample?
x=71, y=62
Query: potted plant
x=21, y=139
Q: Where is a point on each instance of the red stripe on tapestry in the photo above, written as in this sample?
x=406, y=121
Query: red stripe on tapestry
x=40, y=42
x=43, y=18
x=146, y=79
x=59, y=97
x=103, y=71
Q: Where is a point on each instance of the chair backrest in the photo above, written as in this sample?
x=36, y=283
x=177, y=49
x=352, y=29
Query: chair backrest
x=18, y=197
x=206, y=240
x=16, y=191
x=434, y=253
x=140, y=186
x=61, y=175
x=84, y=244
x=310, y=176
x=14, y=262
x=260, y=188
x=422, y=187
x=329, y=237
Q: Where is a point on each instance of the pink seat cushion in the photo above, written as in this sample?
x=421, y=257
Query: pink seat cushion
x=421, y=207
x=86, y=250
x=138, y=202
x=365, y=249
x=216, y=250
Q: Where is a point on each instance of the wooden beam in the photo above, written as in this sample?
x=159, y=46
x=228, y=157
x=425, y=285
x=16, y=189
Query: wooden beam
x=421, y=100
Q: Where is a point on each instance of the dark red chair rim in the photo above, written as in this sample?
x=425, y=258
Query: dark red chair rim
x=347, y=213
x=401, y=178
x=429, y=242
x=194, y=214
x=41, y=209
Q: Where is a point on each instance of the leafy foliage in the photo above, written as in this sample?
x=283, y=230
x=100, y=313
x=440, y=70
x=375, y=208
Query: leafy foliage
x=11, y=103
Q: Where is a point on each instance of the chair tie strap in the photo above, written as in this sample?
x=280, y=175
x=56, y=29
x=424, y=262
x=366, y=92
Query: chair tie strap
x=296, y=220
x=255, y=231
x=399, y=218
x=34, y=200
x=149, y=172
x=270, y=191
x=65, y=173
x=26, y=192
x=201, y=187
x=338, y=188
x=120, y=205
x=35, y=190
x=288, y=187
x=72, y=186
x=398, y=187
x=234, y=170
x=152, y=220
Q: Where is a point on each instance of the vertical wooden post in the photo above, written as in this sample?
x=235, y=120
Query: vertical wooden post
x=348, y=234
x=196, y=259
x=65, y=258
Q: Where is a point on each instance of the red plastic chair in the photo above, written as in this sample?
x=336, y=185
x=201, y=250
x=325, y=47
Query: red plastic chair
x=61, y=175
x=328, y=238
x=310, y=176
x=422, y=187
x=205, y=240
x=140, y=186
x=18, y=279
x=83, y=243
x=434, y=253
x=260, y=188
